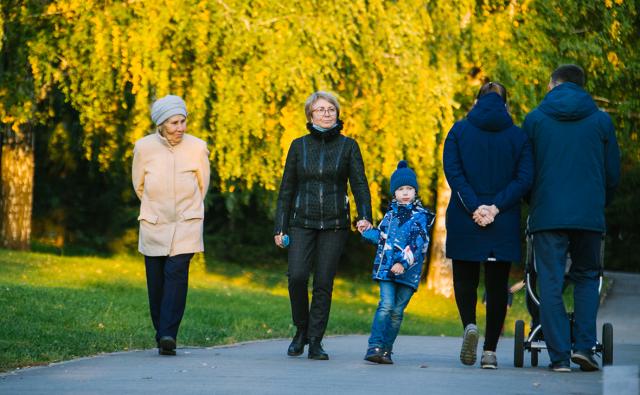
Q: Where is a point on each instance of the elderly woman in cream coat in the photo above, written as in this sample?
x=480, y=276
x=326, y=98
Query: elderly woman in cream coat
x=171, y=177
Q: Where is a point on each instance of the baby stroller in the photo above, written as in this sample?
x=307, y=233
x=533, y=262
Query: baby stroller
x=534, y=343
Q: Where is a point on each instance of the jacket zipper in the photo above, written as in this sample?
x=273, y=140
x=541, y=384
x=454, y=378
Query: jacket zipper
x=295, y=210
x=321, y=185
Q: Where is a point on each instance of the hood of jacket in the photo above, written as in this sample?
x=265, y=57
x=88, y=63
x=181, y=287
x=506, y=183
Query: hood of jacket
x=568, y=102
x=490, y=114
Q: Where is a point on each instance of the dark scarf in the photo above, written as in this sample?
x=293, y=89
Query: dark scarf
x=327, y=134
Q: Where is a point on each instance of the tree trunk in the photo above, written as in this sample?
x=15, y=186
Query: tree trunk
x=16, y=187
x=440, y=277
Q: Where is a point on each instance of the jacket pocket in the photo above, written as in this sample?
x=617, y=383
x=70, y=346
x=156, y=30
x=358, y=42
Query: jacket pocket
x=193, y=214
x=148, y=217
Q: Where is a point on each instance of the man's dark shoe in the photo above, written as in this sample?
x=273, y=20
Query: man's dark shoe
x=560, y=366
x=167, y=345
x=297, y=344
x=585, y=360
x=386, y=358
x=374, y=354
x=315, y=349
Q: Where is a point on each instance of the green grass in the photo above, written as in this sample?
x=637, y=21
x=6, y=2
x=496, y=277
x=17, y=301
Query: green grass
x=57, y=308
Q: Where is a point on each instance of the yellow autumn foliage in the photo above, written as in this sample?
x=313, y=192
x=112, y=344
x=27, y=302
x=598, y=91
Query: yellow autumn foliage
x=403, y=72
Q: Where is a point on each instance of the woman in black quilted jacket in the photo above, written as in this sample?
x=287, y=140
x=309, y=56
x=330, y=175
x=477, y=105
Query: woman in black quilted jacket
x=313, y=211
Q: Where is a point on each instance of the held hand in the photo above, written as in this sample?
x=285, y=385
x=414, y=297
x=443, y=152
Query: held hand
x=397, y=268
x=363, y=225
x=278, y=240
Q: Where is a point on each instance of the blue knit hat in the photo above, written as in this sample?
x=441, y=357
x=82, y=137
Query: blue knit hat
x=403, y=176
x=167, y=107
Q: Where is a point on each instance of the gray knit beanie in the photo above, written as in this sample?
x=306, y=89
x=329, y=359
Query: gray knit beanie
x=167, y=107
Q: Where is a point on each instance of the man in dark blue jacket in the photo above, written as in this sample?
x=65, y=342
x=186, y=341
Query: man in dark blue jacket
x=577, y=168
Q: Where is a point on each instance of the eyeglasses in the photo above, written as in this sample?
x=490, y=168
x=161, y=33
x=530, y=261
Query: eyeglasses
x=325, y=111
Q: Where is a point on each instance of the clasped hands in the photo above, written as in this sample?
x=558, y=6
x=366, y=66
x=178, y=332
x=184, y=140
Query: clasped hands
x=484, y=215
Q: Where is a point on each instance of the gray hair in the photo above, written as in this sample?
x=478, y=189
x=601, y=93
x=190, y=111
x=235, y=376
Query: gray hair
x=317, y=96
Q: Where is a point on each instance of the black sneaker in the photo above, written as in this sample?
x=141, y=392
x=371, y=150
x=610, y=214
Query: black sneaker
x=560, y=366
x=585, y=360
x=374, y=354
x=386, y=358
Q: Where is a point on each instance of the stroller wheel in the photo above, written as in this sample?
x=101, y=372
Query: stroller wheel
x=518, y=347
x=607, y=344
x=534, y=357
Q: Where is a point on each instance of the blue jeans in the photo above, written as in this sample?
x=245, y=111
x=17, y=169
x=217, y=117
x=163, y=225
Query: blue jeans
x=394, y=298
x=550, y=249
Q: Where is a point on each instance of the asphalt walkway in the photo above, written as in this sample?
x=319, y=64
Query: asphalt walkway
x=423, y=365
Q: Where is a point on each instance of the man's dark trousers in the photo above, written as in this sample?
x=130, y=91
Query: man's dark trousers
x=322, y=248
x=550, y=249
x=167, y=284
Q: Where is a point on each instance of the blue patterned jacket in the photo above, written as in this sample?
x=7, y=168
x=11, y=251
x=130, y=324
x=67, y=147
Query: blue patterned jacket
x=403, y=237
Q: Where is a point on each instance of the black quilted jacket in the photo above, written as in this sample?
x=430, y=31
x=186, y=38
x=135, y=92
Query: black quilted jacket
x=313, y=192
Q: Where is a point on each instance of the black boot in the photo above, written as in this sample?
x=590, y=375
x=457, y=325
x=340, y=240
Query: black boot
x=297, y=344
x=315, y=349
x=167, y=345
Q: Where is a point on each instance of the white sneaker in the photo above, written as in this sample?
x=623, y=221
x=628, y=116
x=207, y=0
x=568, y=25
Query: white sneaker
x=469, y=345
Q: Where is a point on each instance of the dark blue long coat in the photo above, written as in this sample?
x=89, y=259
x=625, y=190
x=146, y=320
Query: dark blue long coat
x=487, y=160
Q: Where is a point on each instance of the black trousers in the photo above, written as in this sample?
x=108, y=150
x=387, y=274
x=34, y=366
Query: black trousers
x=320, y=250
x=167, y=283
x=466, y=277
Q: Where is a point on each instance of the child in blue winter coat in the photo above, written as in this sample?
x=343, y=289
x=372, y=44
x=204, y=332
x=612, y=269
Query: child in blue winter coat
x=402, y=239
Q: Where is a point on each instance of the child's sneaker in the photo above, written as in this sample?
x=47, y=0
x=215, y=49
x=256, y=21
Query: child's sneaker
x=489, y=360
x=469, y=345
x=374, y=354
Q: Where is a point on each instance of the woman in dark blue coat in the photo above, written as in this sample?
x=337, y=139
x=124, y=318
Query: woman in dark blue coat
x=488, y=163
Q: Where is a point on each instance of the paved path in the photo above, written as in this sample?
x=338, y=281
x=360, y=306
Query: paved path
x=424, y=365
x=621, y=308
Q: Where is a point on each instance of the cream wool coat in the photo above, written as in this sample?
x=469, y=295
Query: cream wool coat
x=171, y=183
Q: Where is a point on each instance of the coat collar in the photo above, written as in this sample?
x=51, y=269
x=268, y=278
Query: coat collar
x=165, y=142
x=326, y=135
